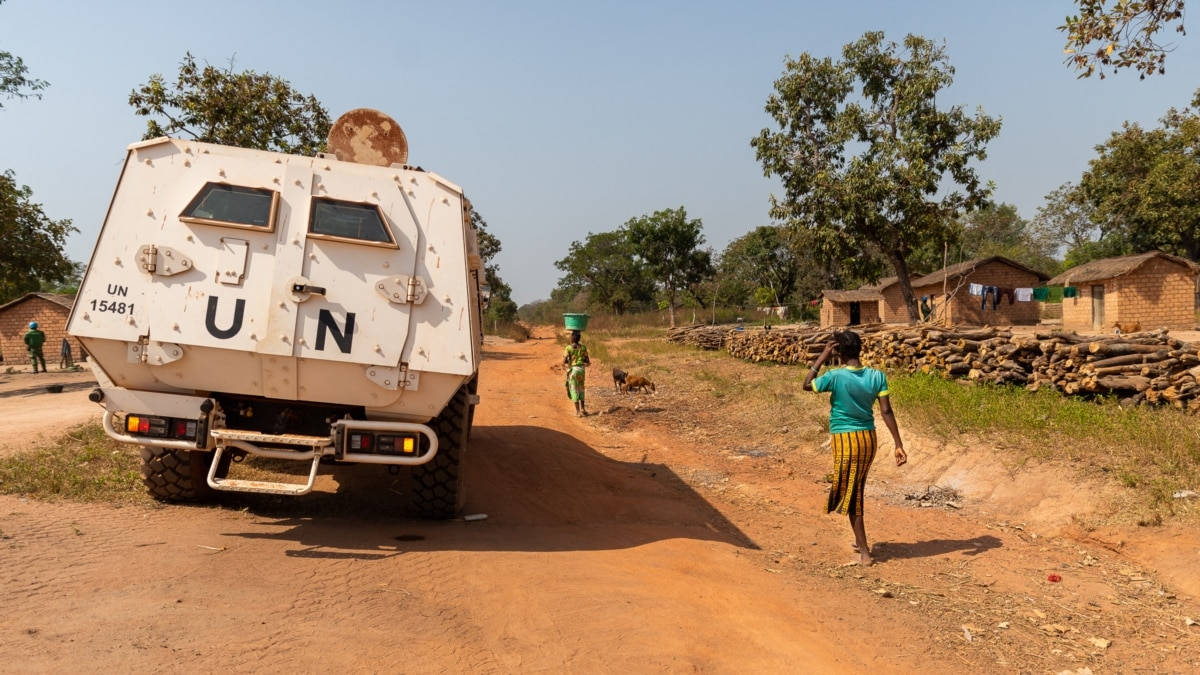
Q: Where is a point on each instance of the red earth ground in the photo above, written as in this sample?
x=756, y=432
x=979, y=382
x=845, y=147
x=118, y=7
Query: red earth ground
x=607, y=547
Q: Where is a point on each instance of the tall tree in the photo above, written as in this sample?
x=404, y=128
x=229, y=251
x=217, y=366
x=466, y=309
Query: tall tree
x=669, y=244
x=1123, y=34
x=1144, y=185
x=1000, y=230
x=33, y=242
x=864, y=151
x=245, y=109
x=766, y=258
x=14, y=78
x=501, y=306
x=607, y=266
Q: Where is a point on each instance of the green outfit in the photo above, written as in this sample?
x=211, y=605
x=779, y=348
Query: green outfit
x=34, y=340
x=853, y=401
x=576, y=356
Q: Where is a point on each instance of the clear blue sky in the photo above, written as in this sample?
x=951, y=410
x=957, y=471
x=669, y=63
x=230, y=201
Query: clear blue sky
x=558, y=118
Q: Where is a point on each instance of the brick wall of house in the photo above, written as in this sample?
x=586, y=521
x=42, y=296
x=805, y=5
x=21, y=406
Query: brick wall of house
x=52, y=320
x=965, y=308
x=838, y=313
x=1159, y=294
x=1077, y=311
x=891, y=307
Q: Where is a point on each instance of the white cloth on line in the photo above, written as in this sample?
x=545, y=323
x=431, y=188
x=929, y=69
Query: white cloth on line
x=1024, y=294
x=975, y=289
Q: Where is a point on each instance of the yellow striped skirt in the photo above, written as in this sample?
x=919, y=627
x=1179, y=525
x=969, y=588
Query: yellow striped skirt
x=853, y=452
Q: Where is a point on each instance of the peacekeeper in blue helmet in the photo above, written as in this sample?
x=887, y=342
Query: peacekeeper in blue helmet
x=34, y=339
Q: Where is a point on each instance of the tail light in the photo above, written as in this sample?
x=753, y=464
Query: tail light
x=382, y=444
x=160, y=427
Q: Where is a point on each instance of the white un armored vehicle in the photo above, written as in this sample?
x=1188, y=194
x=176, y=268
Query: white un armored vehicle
x=306, y=308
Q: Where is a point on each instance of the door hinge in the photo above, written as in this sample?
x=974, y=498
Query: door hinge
x=403, y=289
x=416, y=290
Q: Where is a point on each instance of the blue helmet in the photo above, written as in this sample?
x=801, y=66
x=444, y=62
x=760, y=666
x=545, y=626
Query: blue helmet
x=33, y=324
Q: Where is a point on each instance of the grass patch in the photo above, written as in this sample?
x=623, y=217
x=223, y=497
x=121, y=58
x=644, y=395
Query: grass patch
x=82, y=465
x=1154, y=450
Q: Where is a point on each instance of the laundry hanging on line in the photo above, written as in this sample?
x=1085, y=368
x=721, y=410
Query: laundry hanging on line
x=992, y=293
x=975, y=289
x=1070, y=292
x=1041, y=294
x=1024, y=294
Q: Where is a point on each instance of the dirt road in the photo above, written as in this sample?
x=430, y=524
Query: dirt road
x=29, y=414
x=604, y=549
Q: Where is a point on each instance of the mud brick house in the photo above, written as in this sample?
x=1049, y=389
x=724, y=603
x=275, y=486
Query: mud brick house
x=1152, y=289
x=50, y=311
x=891, y=301
x=849, y=308
x=964, y=308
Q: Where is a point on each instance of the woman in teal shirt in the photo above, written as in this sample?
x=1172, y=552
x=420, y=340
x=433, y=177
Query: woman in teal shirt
x=854, y=390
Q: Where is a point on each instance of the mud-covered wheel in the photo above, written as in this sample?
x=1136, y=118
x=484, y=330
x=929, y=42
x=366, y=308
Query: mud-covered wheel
x=176, y=475
x=437, y=485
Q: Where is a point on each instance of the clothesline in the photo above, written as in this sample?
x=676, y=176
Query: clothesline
x=1050, y=294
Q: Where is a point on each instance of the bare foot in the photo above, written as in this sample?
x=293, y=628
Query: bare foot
x=864, y=559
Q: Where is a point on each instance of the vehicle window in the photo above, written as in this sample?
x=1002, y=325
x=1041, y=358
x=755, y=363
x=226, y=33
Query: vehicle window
x=349, y=220
x=221, y=204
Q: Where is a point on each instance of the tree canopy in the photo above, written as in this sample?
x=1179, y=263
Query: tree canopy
x=33, y=242
x=1143, y=187
x=769, y=265
x=244, y=109
x=1000, y=230
x=669, y=245
x=1124, y=34
x=607, y=266
x=865, y=154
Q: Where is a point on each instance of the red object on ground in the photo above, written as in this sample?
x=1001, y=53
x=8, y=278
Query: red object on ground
x=1054, y=577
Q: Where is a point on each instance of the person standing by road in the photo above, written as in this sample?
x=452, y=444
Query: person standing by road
x=34, y=339
x=575, y=358
x=854, y=390
x=64, y=355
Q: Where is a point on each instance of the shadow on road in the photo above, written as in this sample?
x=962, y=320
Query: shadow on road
x=542, y=490
x=892, y=550
x=40, y=389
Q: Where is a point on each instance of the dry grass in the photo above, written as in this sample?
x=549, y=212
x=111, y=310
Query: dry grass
x=82, y=465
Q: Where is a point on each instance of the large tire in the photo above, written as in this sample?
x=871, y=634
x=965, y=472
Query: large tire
x=437, y=485
x=176, y=475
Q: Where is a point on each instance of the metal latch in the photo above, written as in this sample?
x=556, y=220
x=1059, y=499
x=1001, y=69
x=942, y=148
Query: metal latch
x=306, y=289
x=162, y=261
x=403, y=289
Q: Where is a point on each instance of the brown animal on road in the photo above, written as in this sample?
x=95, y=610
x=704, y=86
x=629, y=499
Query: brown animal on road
x=639, y=383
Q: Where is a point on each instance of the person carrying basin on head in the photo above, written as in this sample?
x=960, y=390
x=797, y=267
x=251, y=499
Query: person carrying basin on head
x=575, y=358
x=34, y=339
x=853, y=390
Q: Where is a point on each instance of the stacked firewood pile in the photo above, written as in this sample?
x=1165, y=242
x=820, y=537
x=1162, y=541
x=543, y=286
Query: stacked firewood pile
x=1147, y=367
x=1150, y=367
x=700, y=335
x=787, y=345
